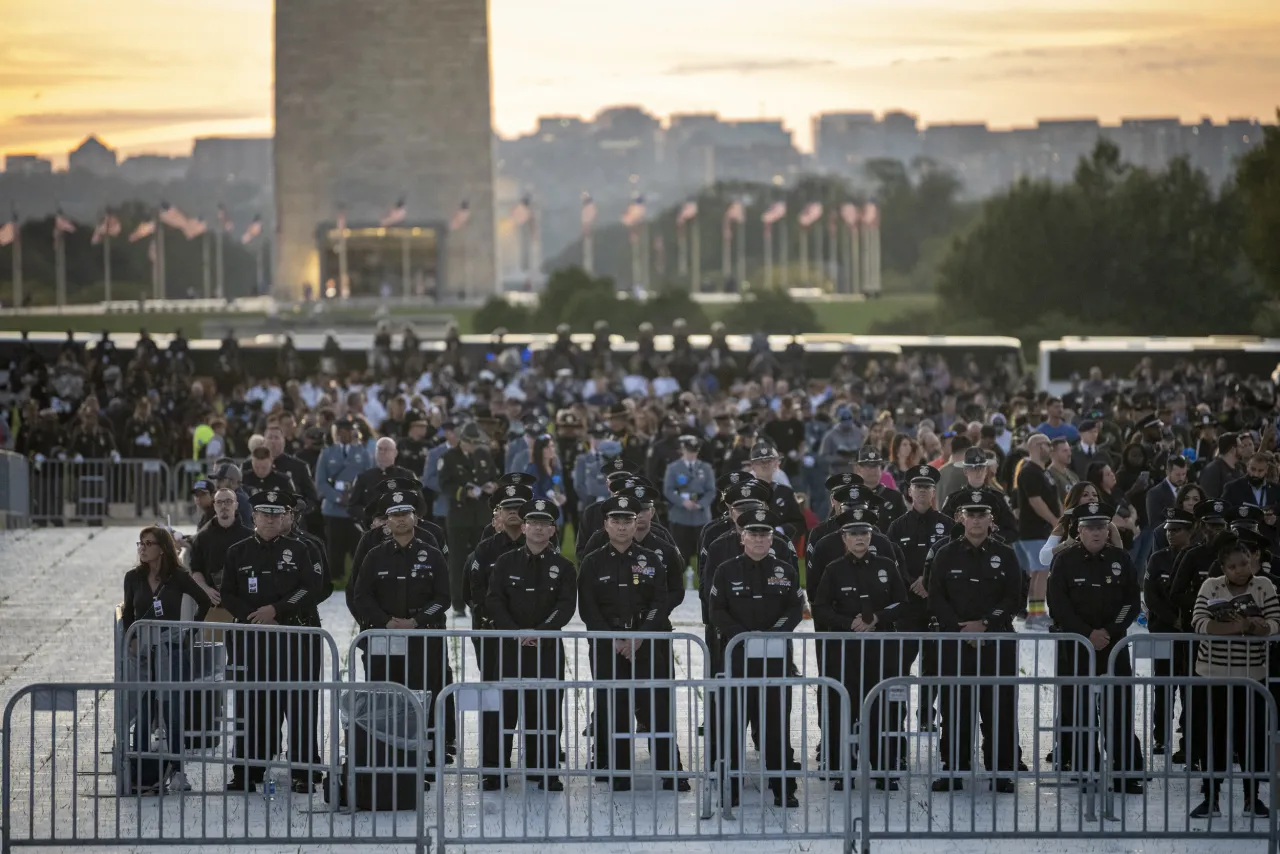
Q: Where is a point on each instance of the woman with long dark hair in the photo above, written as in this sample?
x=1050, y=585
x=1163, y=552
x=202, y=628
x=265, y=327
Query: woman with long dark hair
x=1109, y=492
x=545, y=466
x=153, y=590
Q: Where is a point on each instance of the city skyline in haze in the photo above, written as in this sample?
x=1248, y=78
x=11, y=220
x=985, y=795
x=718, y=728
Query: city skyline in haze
x=153, y=74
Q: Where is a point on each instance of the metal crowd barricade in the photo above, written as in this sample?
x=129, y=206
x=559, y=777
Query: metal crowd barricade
x=1049, y=801
x=57, y=794
x=94, y=490
x=182, y=475
x=586, y=775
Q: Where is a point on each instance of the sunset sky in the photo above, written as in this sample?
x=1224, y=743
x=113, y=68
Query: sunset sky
x=148, y=75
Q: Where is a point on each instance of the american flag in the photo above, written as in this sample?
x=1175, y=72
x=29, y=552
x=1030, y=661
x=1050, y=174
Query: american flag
x=688, y=211
x=635, y=213
x=812, y=213
x=774, y=213
x=62, y=224
x=342, y=218
x=251, y=233
x=589, y=211
x=736, y=212
x=8, y=233
x=108, y=226
x=396, y=215
x=223, y=220
x=173, y=217
x=461, y=216
x=523, y=211
x=871, y=215
x=195, y=228
x=849, y=213
x=143, y=231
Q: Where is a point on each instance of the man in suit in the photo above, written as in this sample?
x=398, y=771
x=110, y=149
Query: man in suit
x=1087, y=451
x=1223, y=469
x=1253, y=487
x=1161, y=496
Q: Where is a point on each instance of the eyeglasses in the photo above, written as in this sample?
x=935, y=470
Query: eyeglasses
x=143, y=544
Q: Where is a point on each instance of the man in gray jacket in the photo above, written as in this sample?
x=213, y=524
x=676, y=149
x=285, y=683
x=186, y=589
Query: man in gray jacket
x=589, y=483
x=689, y=486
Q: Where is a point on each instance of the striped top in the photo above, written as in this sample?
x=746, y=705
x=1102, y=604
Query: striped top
x=1243, y=655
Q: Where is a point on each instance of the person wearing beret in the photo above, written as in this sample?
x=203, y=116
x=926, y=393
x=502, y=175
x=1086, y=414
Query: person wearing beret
x=862, y=592
x=1094, y=592
x=532, y=588
x=689, y=487
x=756, y=591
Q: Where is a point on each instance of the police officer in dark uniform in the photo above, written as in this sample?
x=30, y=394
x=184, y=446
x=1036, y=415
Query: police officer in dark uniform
x=827, y=544
x=412, y=446
x=869, y=467
x=267, y=582
x=915, y=533
x=467, y=477
x=569, y=445
x=975, y=472
x=723, y=522
x=758, y=591
x=616, y=470
x=1163, y=618
x=376, y=527
x=253, y=483
x=622, y=588
x=532, y=588
x=1195, y=564
x=975, y=586
x=404, y=584
x=1093, y=592
x=765, y=462
x=863, y=593
x=634, y=451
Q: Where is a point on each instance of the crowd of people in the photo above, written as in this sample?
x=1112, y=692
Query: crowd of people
x=526, y=488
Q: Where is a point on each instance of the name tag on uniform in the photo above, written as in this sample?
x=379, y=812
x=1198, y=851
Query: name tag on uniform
x=157, y=607
x=253, y=584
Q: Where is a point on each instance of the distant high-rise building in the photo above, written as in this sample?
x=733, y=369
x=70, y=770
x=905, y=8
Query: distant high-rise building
x=154, y=168
x=93, y=156
x=232, y=159
x=27, y=164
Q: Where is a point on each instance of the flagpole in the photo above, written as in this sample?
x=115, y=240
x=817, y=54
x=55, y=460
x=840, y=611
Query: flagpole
x=804, y=255
x=59, y=267
x=782, y=240
x=206, y=267
x=404, y=263
x=768, y=255
x=217, y=259
x=161, y=284
x=819, y=262
x=874, y=278
x=258, y=260
x=742, y=251
x=106, y=265
x=588, y=250
x=17, y=261
x=695, y=263
x=682, y=249
x=726, y=251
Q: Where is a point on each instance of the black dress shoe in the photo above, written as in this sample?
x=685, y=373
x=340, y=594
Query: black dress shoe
x=890, y=784
x=678, y=784
x=947, y=784
x=1004, y=785
x=789, y=802
x=301, y=785
x=239, y=784
x=1179, y=757
x=621, y=784
x=838, y=786
x=1128, y=787
x=551, y=784
x=1157, y=749
x=492, y=784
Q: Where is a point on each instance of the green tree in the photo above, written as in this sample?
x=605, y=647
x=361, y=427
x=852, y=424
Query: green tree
x=1258, y=187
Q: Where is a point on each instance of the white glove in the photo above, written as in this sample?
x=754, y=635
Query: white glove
x=808, y=461
x=115, y=456
x=40, y=458
x=78, y=459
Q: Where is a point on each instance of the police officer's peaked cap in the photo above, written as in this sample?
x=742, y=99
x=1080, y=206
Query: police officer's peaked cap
x=634, y=480
x=472, y=433
x=539, y=509
x=761, y=519
x=645, y=496
x=763, y=451
x=413, y=416
x=1213, y=510
x=1246, y=514
x=690, y=441
x=392, y=503
x=733, y=478
x=1253, y=540
x=858, y=520
x=271, y=501
x=870, y=456
x=846, y=478
x=925, y=475
x=975, y=499
x=620, y=505
x=856, y=494
x=517, y=478
x=598, y=431
x=511, y=495
x=1094, y=512
x=1176, y=517
x=616, y=464
x=974, y=458
x=755, y=490
x=618, y=410
x=202, y=485
x=1148, y=421
x=398, y=484
x=567, y=418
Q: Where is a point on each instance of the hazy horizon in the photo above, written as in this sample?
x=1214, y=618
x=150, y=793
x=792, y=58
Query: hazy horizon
x=153, y=74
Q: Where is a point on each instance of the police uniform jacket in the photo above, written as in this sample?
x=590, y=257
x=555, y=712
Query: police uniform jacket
x=696, y=481
x=622, y=590
x=662, y=452
x=590, y=522
x=410, y=582
x=459, y=472
x=376, y=537
x=1093, y=590
x=968, y=582
x=1000, y=510
x=252, y=484
x=588, y=483
x=339, y=465
x=658, y=540
x=411, y=454
x=276, y=572
x=756, y=596
x=363, y=491
x=207, y=554
x=431, y=480
x=915, y=534
x=1190, y=570
x=319, y=553
x=831, y=548
x=634, y=450
x=728, y=546
x=893, y=505
x=479, y=571
x=867, y=587
x=532, y=591
x=1164, y=615
x=713, y=530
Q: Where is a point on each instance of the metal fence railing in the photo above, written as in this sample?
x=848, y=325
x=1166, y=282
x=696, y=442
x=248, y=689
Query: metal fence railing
x=1116, y=788
x=95, y=490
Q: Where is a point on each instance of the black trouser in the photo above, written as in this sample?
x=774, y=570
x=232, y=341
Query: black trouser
x=997, y=706
x=1178, y=664
x=341, y=539
x=47, y=493
x=538, y=712
x=686, y=537
x=1229, y=720
x=613, y=706
x=859, y=663
x=277, y=658
x=423, y=666
x=767, y=711
x=1078, y=708
x=463, y=539
x=916, y=619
